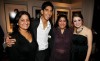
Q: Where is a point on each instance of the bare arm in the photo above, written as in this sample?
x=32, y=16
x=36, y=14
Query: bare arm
x=89, y=40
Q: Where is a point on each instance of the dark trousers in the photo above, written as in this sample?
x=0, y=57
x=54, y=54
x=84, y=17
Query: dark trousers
x=42, y=55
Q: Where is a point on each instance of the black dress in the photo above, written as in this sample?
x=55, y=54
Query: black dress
x=22, y=50
x=79, y=48
x=62, y=45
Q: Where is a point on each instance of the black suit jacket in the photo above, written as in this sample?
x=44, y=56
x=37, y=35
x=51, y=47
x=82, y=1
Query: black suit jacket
x=1, y=39
x=1, y=43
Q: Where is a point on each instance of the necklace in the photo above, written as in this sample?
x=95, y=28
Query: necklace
x=79, y=31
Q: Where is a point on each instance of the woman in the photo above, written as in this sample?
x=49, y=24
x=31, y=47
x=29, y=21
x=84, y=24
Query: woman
x=62, y=40
x=25, y=46
x=82, y=39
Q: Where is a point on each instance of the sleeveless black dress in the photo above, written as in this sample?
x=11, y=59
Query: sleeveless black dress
x=79, y=47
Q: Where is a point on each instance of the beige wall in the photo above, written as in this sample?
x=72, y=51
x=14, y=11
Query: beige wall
x=2, y=17
x=87, y=10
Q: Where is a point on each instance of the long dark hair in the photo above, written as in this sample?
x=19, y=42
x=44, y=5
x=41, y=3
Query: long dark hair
x=58, y=18
x=18, y=16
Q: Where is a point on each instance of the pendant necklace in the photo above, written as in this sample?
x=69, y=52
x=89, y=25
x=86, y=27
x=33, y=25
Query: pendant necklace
x=79, y=31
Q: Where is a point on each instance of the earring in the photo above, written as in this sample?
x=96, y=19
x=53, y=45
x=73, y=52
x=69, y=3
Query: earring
x=17, y=23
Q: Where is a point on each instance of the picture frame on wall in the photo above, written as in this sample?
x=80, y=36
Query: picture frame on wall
x=73, y=11
x=60, y=12
x=10, y=14
x=36, y=12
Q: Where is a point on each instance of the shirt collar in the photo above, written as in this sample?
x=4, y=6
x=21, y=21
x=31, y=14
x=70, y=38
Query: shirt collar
x=48, y=23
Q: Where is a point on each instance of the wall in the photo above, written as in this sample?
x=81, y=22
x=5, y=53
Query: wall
x=2, y=17
x=62, y=1
x=87, y=10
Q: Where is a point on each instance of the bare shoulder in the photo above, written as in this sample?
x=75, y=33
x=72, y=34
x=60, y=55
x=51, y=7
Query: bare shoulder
x=87, y=30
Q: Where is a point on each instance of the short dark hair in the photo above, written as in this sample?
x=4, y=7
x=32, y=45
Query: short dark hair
x=47, y=3
x=58, y=18
x=16, y=10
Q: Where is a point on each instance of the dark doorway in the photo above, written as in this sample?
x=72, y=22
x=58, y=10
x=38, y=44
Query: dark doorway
x=96, y=27
x=96, y=16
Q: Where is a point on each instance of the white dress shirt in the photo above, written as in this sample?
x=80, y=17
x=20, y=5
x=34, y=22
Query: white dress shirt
x=42, y=35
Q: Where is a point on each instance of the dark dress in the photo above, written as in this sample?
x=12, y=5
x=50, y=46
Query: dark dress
x=62, y=45
x=22, y=50
x=79, y=47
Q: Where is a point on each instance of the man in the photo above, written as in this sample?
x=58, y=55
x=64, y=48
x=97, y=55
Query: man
x=41, y=28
